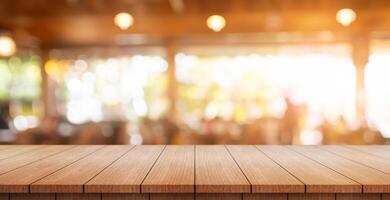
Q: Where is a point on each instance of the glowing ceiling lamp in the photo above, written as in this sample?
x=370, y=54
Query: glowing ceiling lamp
x=216, y=22
x=123, y=20
x=346, y=16
x=7, y=46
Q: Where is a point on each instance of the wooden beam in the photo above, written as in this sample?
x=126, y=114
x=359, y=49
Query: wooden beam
x=90, y=29
x=360, y=55
x=172, y=84
x=177, y=6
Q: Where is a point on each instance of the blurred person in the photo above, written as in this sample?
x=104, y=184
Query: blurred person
x=6, y=135
x=45, y=133
x=90, y=133
x=290, y=124
x=4, y=116
x=121, y=133
x=170, y=129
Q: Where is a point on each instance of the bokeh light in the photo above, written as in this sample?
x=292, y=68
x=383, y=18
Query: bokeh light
x=7, y=46
x=216, y=22
x=346, y=16
x=123, y=20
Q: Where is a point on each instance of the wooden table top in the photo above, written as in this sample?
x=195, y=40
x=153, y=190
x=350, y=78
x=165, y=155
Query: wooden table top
x=194, y=169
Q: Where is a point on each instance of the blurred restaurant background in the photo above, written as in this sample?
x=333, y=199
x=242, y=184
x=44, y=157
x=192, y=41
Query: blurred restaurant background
x=195, y=72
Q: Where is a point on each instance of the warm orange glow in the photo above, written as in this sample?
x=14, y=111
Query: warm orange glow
x=7, y=46
x=123, y=20
x=216, y=23
x=346, y=16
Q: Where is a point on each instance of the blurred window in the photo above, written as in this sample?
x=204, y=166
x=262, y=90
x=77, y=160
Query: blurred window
x=377, y=84
x=110, y=88
x=20, y=90
x=244, y=84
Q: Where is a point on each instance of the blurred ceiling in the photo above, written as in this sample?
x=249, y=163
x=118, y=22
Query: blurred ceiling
x=90, y=22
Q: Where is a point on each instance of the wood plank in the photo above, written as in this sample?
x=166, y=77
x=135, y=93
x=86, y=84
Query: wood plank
x=2, y=146
x=19, y=180
x=127, y=173
x=219, y=196
x=73, y=177
x=358, y=196
x=265, y=196
x=371, y=179
x=27, y=196
x=128, y=196
x=75, y=196
x=11, y=151
x=377, y=150
x=316, y=177
x=26, y=158
x=216, y=171
x=360, y=157
x=174, y=171
x=4, y=196
x=264, y=175
x=385, y=196
x=308, y=196
x=167, y=196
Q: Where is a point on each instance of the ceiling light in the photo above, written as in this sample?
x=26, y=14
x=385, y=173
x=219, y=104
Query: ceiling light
x=7, y=46
x=346, y=16
x=216, y=23
x=123, y=20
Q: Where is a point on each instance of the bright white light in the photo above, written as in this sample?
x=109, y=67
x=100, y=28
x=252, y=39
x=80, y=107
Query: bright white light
x=22, y=123
x=109, y=95
x=216, y=22
x=123, y=20
x=135, y=139
x=83, y=110
x=7, y=46
x=378, y=92
x=302, y=78
x=140, y=107
x=346, y=16
x=311, y=137
x=81, y=65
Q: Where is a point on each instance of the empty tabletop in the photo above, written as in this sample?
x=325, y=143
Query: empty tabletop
x=161, y=170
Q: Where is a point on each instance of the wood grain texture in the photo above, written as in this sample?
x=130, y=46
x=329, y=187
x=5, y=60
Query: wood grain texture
x=26, y=158
x=371, y=179
x=318, y=178
x=324, y=196
x=127, y=173
x=264, y=175
x=10, y=151
x=24, y=196
x=265, y=196
x=177, y=196
x=216, y=171
x=2, y=146
x=4, y=196
x=360, y=157
x=73, y=177
x=75, y=196
x=19, y=180
x=128, y=196
x=377, y=150
x=358, y=196
x=385, y=196
x=174, y=171
x=218, y=196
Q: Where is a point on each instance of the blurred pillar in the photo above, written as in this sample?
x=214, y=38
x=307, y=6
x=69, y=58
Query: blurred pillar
x=46, y=88
x=172, y=85
x=360, y=55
